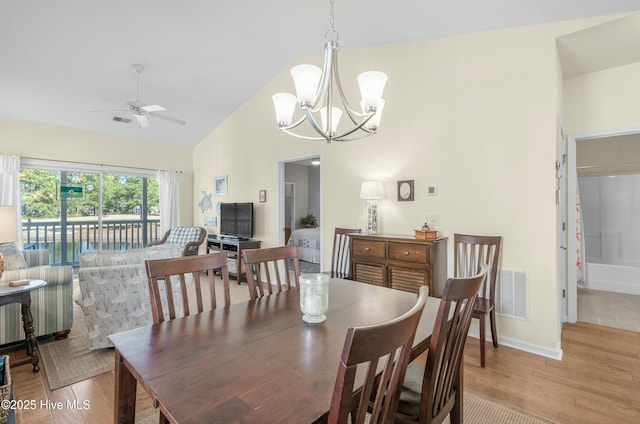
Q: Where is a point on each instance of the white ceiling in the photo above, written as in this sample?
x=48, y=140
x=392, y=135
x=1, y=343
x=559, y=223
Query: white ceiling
x=203, y=58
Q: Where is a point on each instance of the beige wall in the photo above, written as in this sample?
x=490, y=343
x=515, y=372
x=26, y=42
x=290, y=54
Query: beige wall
x=602, y=101
x=47, y=142
x=473, y=114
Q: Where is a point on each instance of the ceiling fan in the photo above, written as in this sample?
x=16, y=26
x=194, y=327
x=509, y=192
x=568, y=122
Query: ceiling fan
x=141, y=111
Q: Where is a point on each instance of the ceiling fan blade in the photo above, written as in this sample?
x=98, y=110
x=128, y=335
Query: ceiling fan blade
x=109, y=110
x=152, y=108
x=167, y=118
x=142, y=120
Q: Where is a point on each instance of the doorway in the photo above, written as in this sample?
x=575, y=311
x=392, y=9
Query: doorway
x=300, y=196
x=606, y=163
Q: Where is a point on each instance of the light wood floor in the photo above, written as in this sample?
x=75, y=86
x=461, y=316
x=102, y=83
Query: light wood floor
x=597, y=381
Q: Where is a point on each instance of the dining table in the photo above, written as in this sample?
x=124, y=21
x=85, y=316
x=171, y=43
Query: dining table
x=254, y=361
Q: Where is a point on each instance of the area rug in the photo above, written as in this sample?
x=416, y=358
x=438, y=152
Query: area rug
x=68, y=361
x=480, y=410
x=148, y=416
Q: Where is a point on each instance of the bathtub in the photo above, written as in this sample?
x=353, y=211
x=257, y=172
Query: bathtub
x=615, y=278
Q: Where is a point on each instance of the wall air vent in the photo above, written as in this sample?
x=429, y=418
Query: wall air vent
x=511, y=296
x=121, y=119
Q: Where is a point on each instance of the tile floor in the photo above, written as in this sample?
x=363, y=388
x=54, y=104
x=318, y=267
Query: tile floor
x=609, y=309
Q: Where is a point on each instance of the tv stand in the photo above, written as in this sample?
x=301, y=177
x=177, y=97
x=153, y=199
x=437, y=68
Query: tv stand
x=233, y=248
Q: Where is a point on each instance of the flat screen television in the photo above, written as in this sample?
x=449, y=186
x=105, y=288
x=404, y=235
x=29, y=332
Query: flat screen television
x=236, y=220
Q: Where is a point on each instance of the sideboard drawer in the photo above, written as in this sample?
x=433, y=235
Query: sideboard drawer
x=368, y=248
x=370, y=273
x=408, y=252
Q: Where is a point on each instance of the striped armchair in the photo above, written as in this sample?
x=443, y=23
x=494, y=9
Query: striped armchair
x=190, y=238
x=51, y=306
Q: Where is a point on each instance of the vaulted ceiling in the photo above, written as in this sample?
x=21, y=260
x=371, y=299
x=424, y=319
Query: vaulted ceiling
x=203, y=59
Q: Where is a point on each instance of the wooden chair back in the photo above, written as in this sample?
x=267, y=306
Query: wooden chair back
x=382, y=352
x=267, y=266
x=340, y=257
x=470, y=251
x=438, y=388
x=177, y=271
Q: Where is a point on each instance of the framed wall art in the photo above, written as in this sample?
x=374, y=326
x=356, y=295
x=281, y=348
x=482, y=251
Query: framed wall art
x=220, y=186
x=405, y=191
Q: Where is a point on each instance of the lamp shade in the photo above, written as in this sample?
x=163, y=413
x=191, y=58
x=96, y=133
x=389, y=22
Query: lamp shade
x=8, y=224
x=371, y=87
x=371, y=190
x=336, y=114
x=285, y=104
x=306, y=79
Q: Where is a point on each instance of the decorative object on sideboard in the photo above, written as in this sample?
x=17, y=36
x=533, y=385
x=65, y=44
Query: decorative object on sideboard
x=8, y=229
x=371, y=191
x=317, y=88
x=405, y=191
x=425, y=232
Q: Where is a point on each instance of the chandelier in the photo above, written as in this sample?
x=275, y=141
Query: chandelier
x=317, y=91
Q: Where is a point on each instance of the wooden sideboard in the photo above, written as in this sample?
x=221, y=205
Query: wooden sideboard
x=399, y=261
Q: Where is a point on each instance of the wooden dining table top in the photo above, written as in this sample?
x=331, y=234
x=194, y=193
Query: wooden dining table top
x=257, y=361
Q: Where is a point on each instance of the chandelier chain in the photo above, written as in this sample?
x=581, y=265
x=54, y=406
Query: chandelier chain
x=331, y=33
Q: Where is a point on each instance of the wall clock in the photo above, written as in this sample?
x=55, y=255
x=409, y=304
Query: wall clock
x=405, y=191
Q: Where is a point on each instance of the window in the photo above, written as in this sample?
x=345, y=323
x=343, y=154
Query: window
x=70, y=211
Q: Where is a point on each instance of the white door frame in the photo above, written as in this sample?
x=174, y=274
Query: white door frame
x=281, y=181
x=572, y=183
x=561, y=224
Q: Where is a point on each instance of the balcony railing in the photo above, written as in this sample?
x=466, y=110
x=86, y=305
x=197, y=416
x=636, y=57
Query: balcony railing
x=65, y=241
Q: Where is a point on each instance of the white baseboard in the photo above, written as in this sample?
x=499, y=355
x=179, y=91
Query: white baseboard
x=520, y=345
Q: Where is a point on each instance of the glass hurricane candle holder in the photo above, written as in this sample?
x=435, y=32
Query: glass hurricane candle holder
x=314, y=297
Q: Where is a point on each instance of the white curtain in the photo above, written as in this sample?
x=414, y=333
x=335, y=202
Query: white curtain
x=10, y=187
x=169, y=193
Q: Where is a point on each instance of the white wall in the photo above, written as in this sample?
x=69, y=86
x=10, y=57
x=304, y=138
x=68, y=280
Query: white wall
x=473, y=114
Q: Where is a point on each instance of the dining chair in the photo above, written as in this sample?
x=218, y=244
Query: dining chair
x=266, y=266
x=469, y=252
x=167, y=277
x=429, y=394
x=381, y=352
x=340, y=263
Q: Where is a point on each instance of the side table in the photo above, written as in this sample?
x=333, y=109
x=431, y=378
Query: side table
x=22, y=295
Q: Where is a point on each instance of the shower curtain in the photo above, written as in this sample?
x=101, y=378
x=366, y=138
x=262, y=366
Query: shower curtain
x=581, y=264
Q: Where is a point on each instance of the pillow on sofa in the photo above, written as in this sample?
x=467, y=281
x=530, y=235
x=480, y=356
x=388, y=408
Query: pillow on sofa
x=13, y=258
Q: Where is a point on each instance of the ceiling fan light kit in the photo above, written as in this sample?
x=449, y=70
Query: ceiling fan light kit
x=316, y=90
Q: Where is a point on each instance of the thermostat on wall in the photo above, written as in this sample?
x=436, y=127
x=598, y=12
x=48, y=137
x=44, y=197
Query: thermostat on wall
x=432, y=190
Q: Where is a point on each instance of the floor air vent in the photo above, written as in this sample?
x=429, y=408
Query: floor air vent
x=121, y=119
x=512, y=294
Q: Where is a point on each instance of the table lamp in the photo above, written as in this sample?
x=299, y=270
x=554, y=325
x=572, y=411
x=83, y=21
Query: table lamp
x=371, y=191
x=8, y=229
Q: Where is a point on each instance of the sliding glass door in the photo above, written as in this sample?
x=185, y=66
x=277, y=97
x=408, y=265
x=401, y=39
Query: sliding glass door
x=70, y=211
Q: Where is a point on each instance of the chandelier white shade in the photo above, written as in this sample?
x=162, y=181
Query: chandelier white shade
x=318, y=90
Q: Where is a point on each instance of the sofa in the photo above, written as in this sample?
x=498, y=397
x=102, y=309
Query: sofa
x=114, y=293
x=51, y=305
